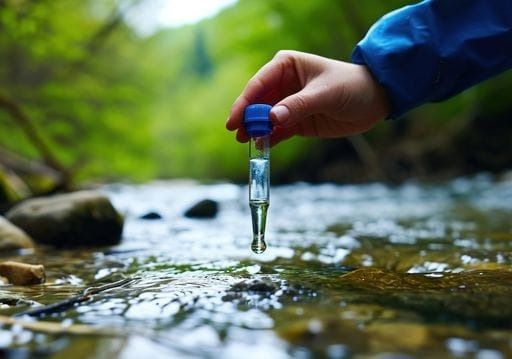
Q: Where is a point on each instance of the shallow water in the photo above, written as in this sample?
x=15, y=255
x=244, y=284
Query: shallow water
x=363, y=271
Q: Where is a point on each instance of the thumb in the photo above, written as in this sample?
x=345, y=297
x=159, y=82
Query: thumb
x=294, y=108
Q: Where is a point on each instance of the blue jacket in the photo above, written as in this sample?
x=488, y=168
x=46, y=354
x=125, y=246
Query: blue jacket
x=435, y=49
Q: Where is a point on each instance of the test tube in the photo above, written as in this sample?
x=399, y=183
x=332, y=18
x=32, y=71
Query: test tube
x=258, y=126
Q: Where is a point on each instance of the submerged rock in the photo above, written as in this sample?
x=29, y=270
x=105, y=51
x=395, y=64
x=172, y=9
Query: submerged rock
x=263, y=286
x=406, y=336
x=8, y=299
x=481, y=297
x=84, y=218
x=151, y=216
x=260, y=287
x=21, y=273
x=257, y=291
x=206, y=208
x=12, y=237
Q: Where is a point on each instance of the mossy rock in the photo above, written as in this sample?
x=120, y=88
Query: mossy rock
x=12, y=237
x=12, y=188
x=480, y=297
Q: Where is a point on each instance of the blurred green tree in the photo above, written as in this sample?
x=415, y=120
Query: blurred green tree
x=82, y=90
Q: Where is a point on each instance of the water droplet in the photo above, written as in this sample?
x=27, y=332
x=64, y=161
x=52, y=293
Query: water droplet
x=258, y=244
x=259, y=219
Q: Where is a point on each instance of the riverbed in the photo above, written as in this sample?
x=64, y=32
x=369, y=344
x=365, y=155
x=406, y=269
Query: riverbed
x=351, y=271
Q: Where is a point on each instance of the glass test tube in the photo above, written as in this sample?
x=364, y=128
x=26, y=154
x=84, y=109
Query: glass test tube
x=258, y=127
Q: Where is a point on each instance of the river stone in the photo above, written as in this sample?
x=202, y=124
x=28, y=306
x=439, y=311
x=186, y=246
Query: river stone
x=263, y=286
x=151, y=216
x=206, y=208
x=84, y=218
x=12, y=237
x=21, y=273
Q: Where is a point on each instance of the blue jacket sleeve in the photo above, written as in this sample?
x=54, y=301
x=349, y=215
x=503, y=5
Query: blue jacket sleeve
x=432, y=50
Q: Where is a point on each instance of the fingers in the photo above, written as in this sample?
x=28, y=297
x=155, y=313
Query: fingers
x=261, y=84
x=282, y=82
x=241, y=135
x=280, y=134
x=235, y=117
x=266, y=86
x=299, y=106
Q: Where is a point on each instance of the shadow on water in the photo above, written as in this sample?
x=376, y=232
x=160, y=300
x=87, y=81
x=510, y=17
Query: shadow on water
x=351, y=271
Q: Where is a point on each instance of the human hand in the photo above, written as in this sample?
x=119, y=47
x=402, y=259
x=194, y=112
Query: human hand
x=312, y=96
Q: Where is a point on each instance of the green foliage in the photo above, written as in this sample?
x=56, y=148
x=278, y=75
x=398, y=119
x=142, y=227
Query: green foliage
x=115, y=105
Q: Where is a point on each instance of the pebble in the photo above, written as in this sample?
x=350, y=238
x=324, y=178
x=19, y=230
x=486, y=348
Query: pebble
x=18, y=273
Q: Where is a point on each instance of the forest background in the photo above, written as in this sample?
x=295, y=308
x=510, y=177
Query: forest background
x=86, y=96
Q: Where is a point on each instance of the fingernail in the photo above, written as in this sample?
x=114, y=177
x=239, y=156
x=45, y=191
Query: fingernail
x=281, y=114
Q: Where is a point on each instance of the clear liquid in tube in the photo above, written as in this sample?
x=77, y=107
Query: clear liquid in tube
x=259, y=201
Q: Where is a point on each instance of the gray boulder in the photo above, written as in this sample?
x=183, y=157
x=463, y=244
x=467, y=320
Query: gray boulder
x=84, y=218
x=12, y=237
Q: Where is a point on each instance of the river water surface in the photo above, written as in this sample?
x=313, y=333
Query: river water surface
x=359, y=271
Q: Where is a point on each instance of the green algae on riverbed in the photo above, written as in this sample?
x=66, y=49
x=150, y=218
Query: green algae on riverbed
x=354, y=271
x=479, y=298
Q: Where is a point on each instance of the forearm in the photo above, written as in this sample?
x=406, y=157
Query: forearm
x=435, y=49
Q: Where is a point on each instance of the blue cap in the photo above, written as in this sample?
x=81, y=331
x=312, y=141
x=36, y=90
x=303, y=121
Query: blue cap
x=257, y=120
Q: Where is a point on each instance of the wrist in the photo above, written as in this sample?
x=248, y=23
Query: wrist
x=381, y=105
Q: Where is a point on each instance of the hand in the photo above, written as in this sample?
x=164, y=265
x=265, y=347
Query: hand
x=312, y=96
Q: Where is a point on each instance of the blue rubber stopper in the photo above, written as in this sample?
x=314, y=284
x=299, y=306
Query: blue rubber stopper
x=257, y=120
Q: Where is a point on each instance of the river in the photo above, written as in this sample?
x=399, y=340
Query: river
x=351, y=271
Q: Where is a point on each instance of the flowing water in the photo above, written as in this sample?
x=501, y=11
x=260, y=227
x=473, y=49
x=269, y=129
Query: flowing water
x=362, y=271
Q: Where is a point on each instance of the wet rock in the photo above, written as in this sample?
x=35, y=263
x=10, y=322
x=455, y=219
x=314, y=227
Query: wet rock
x=387, y=337
x=319, y=331
x=21, y=273
x=151, y=216
x=206, y=208
x=261, y=287
x=30, y=177
x=12, y=237
x=84, y=218
x=8, y=299
x=480, y=297
x=303, y=330
x=256, y=291
x=256, y=285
